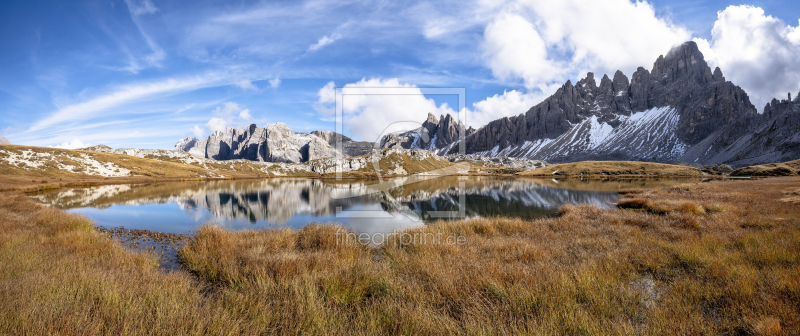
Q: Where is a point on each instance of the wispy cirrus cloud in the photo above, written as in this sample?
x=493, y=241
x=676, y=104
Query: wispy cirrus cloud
x=91, y=108
x=325, y=40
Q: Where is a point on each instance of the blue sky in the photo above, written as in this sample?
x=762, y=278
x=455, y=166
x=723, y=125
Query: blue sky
x=144, y=73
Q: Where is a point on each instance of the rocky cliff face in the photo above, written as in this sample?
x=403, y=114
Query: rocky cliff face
x=434, y=135
x=349, y=147
x=680, y=110
x=275, y=143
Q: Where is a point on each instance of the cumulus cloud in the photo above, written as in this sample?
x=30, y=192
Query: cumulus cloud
x=245, y=115
x=400, y=107
x=226, y=115
x=274, y=83
x=74, y=144
x=510, y=103
x=539, y=42
x=514, y=49
x=758, y=52
x=196, y=132
x=216, y=124
x=246, y=84
x=326, y=99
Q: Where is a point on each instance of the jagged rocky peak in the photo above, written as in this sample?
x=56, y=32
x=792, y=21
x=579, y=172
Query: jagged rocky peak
x=185, y=144
x=4, y=141
x=430, y=125
x=718, y=77
x=682, y=61
x=435, y=134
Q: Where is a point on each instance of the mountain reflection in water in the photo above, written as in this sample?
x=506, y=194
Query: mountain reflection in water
x=180, y=207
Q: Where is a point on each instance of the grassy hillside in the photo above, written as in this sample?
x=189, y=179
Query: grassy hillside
x=32, y=168
x=772, y=169
x=613, y=168
x=404, y=164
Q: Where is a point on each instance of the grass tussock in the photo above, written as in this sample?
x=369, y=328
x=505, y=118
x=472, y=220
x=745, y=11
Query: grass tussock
x=792, y=196
x=680, y=261
x=613, y=168
x=790, y=168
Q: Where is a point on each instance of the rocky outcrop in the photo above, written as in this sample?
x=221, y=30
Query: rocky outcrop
x=4, y=141
x=680, y=110
x=435, y=134
x=497, y=161
x=275, y=143
x=348, y=146
x=774, y=136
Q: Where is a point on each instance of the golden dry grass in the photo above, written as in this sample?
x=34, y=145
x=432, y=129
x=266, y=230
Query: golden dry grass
x=707, y=258
x=606, y=168
x=789, y=168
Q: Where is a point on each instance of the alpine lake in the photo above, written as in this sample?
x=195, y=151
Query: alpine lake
x=362, y=206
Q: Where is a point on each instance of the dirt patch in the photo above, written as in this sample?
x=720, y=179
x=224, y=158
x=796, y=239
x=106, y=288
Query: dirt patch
x=163, y=245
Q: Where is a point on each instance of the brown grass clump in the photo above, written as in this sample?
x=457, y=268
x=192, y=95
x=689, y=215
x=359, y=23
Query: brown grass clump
x=792, y=196
x=790, y=168
x=680, y=261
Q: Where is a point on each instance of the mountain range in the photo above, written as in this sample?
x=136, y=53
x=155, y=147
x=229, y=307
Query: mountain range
x=679, y=111
x=274, y=143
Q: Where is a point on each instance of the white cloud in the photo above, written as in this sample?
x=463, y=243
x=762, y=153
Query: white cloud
x=540, y=42
x=514, y=49
x=367, y=116
x=185, y=108
x=141, y=7
x=123, y=95
x=74, y=144
x=325, y=40
x=510, y=103
x=758, y=52
x=229, y=114
x=246, y=84
x=216, y=124
x=245, y=115
x=274, y=83
x=196, y=132
x=136, y=64
x=326, y=97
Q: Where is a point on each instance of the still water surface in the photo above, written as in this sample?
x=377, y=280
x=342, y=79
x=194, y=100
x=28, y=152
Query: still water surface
x=362, y=206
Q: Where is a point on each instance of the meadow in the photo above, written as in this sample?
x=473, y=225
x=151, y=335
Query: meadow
x=710, y=258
